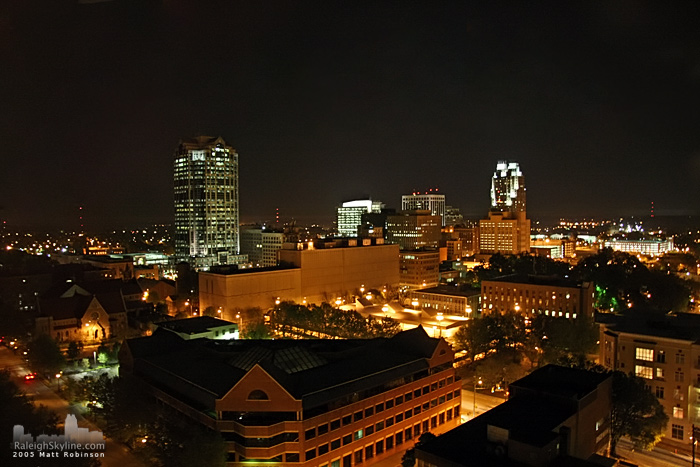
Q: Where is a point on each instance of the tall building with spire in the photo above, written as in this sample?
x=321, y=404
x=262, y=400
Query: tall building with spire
x=507, y=228
x=206, y=202
x=508, y=188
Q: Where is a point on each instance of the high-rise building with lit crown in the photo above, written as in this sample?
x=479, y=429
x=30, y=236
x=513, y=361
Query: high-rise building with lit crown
x=508, y=188
x=206, y=202
x=507, y=229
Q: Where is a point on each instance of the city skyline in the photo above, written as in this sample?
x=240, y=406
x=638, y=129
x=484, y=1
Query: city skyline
x=333, y=101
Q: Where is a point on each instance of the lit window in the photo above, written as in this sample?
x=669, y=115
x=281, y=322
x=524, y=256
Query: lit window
x=644, y=371
x=644, y=354
x=678, y=412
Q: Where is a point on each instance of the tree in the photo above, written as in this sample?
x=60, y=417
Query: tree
x=636, y=413
x=73, y=351
x=256, y=330
x=45, y=356
x=209, y=311
x=409, y=457
x=474, y=337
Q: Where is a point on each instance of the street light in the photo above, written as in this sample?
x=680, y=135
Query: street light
x=58, y=380
x=480, y=383
x=440, y=317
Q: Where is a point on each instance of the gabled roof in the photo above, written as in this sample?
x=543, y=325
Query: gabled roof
x=65, y=308
x=314, y=371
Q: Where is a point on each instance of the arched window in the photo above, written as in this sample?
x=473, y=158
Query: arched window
x=258, y=395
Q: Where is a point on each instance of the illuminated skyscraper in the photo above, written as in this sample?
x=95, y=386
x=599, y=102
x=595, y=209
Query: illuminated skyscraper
x=508, y=188
x=507, y=229
x=206, y=202
x=350, y=215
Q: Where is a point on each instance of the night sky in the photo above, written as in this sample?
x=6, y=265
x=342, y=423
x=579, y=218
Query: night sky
x=325, y=101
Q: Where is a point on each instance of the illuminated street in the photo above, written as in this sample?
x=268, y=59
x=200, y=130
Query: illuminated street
x=116, y=455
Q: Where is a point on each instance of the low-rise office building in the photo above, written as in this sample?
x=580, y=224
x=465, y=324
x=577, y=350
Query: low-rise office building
x=312, y=272
x=419, y=269
x=543, y=295
x=447, y=299
x=304, y=402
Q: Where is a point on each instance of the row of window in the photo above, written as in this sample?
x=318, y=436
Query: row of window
x=648, y=372
x=386, y=405
x=647, y=355
x=382, y=445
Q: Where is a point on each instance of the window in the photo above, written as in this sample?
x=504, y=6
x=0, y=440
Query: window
x=347, y=420
x=408, y=413
x=399, y=400
x=335, y=424
x=358, y=416
x=661, y=356
x=310, y=454
x=433, y=387
x=680, y=358
x=678, y=394
x=679, y=376
x=425, y=426
x=644, y=354
x=416, y=410
x=399, y=418
x=660, y=373
x=369, y=452
x=678, y=412
x=389, y=442
x=416, y=430
x=379, y=407
x=441, y=418
x=258, y=395
x=677, y=432
x=369, y=430
x=644, y=371
x=358, y=457
x=369, y=412
x=379, y=426
x=323, y=429
x=379, y=447
x=416, y=393
x=335, y=444
x=399, y=437
x=310, y=434
x=433, y=421
x=323, y=449
x=408, y=396
x=347, y=439
x=390, y=404
x=659, y=392
x=426, y=389
x=358, y=435
x=408, y=434
x=389, y=421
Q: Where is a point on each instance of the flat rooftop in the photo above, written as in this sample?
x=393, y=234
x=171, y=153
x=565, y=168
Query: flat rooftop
x=196, y=325
x=533, y=279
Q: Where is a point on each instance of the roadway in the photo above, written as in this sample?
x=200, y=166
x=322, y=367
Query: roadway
x=42, y=393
